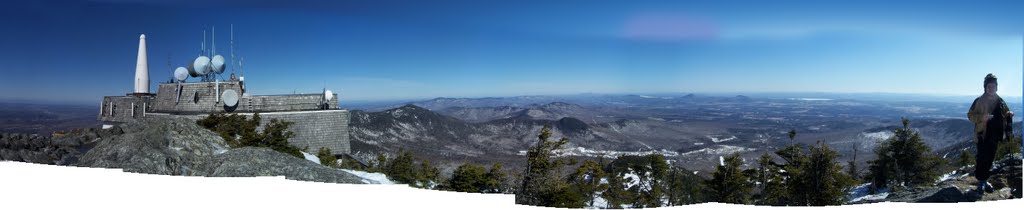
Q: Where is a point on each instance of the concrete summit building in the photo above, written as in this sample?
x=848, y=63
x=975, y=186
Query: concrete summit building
x=317, y=119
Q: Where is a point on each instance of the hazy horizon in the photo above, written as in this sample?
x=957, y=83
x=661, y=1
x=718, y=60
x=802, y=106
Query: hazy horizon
x=378, y=51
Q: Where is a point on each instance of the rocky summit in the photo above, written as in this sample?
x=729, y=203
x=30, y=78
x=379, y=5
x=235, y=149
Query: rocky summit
x=174, y=146
x=961, y=186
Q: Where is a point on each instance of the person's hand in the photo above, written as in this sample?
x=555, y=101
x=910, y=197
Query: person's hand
x=988, y=117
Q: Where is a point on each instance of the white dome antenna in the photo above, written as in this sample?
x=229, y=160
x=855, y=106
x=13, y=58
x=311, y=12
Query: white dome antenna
x=217, y=64
x=181, y=74
x=201, y=65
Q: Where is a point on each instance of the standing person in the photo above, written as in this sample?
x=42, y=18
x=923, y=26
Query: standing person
x=992, y=120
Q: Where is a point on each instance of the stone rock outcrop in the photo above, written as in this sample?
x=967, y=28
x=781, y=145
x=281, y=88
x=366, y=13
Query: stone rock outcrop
x=257, y=161
x=176, y=146
x=61, y=149
x=1006, y=180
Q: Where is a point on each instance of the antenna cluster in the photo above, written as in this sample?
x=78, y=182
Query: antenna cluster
x=208, y=65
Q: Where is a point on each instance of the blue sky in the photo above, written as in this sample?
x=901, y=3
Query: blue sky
x=78, y=51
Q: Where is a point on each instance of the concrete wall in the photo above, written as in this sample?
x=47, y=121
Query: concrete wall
x=313, y=129
x=201, y=97
x=120, y=109
x=196, y=97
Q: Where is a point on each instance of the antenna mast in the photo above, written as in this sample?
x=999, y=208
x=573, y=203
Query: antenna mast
x=202, y=52
x=169, y=68
x=213, y=38
x=232, y=45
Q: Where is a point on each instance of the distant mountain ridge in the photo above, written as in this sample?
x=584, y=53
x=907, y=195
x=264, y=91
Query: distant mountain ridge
x=694, y=127
x=549, y=111
x=418, y=129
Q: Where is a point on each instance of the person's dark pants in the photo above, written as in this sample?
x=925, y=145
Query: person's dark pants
x=986, y=154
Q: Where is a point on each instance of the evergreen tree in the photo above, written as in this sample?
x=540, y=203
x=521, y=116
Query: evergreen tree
x=728, y=184
x=586, y=180
x=646, y=185
x=326, y=158
x=772, y=190
x=818, y=171
x=468, y=178
x=852, y=168
x=617, y=195
x=231, y=127
x=275, y=135
x=965, y=159
x=824, y=175
x=651, y=173
x=682, y=187
x=904, y=160
x=381, y=164
x=401, y=169
x=428, y=175
x=541, y=180
x=239, y=132
x=795, y=188
x=494, y=180
x=565, y=197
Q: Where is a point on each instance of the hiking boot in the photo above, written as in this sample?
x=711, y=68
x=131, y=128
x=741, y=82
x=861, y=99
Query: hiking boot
x=988, y=187
x=981, y=187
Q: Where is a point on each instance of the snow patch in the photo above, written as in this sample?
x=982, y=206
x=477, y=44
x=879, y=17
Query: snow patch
x=881, y=135
x=947, y=176
x=632, y=178
x=311, y=157
x=219, y=150
x=862, y=192
x=718, y=150
x=717, y=140
x=370, y=178
x=599, y=202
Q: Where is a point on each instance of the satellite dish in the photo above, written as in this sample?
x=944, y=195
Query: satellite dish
x=230, y=98
x=328, y=95
x=192, y=70
x=181, y=74
x=202, y=65
x=217, y=64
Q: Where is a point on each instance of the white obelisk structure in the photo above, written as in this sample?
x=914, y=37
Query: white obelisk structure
x=142, y=68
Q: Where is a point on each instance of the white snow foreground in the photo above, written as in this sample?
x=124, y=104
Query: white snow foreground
x=27, y=186
x=93, y=188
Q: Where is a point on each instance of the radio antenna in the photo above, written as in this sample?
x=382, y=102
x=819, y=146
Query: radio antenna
x=203, y=51
x=169, y=68
x=213, y=38
x=232, y=45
